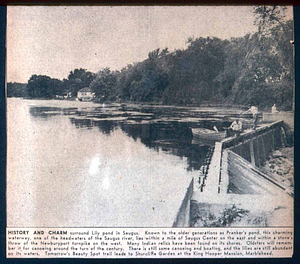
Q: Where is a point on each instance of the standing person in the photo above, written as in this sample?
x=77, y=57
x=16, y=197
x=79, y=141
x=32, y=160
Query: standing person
x=254, y=111
x=273, y=109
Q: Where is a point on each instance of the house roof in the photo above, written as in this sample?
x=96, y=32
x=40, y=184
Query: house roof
x=85, y=89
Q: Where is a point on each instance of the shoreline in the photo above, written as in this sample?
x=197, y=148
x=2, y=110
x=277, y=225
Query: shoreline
x=204, y=105
x=160, y=104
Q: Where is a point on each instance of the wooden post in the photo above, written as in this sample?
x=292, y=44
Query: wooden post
x=263, y=152
x=257, y=152
x=252, y=153
x=224, y=180
x=268, y=140
x=273, y=139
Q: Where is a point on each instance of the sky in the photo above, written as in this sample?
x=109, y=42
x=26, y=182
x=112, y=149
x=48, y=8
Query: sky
x=54, y=40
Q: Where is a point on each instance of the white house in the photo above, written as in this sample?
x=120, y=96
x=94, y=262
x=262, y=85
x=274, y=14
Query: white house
x=85, y=94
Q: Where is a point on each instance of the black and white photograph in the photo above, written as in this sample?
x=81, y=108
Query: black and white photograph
x=150, y=116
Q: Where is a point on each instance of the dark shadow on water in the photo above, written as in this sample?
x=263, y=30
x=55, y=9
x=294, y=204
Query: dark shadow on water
x=158, y=128
x=43, y=112
x=173, y=138
x=46, y=112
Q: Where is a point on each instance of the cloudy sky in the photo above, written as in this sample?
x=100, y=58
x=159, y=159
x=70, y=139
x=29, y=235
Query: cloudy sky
x=55, y=40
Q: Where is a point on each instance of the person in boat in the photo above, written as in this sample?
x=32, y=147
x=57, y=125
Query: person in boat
x=235, y=128
x=273, y=109
x=254, y=111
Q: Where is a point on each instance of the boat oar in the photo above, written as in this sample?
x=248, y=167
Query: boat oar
x=215, y=128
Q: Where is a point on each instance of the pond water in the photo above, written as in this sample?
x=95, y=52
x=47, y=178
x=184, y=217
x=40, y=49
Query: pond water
x=117, y=165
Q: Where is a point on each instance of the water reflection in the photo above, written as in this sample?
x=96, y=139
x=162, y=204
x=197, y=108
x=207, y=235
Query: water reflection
x=160, y=128
x=174, y=138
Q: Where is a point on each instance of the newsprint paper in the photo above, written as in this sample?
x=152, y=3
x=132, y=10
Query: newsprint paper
x=150, y=132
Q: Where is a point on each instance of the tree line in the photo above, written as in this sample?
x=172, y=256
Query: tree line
x=254, y=69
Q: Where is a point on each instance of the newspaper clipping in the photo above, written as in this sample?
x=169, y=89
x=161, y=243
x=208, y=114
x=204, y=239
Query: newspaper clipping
x=150, y=132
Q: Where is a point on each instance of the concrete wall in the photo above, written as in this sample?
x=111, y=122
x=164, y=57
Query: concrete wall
x=255, y=146
x=183, y=215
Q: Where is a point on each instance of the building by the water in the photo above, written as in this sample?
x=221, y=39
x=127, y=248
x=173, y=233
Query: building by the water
x=85, y=94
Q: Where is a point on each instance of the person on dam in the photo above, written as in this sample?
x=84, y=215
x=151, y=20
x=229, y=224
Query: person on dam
x=235, y=128
x=254, y=111
x=274, y=109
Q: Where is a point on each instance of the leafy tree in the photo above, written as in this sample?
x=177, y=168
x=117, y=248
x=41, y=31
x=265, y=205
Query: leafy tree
x=270, y=60
x=16, y=89
x=56, y=86
x=105, y=84
x=129, y=74
x=39, y=86
x=259, y=68
x=269, y=17
x=79, y=78
x=153, y=54
x=193, y=71
x=86, y=77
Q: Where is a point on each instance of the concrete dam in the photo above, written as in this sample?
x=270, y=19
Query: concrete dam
x=232, y=176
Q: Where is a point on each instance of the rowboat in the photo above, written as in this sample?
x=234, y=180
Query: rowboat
x=207, y=134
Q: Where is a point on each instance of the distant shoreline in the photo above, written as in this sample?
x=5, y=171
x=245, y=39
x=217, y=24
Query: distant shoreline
x=206, y=104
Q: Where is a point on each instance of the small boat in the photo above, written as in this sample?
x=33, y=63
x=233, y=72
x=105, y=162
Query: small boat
x=208, y=134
